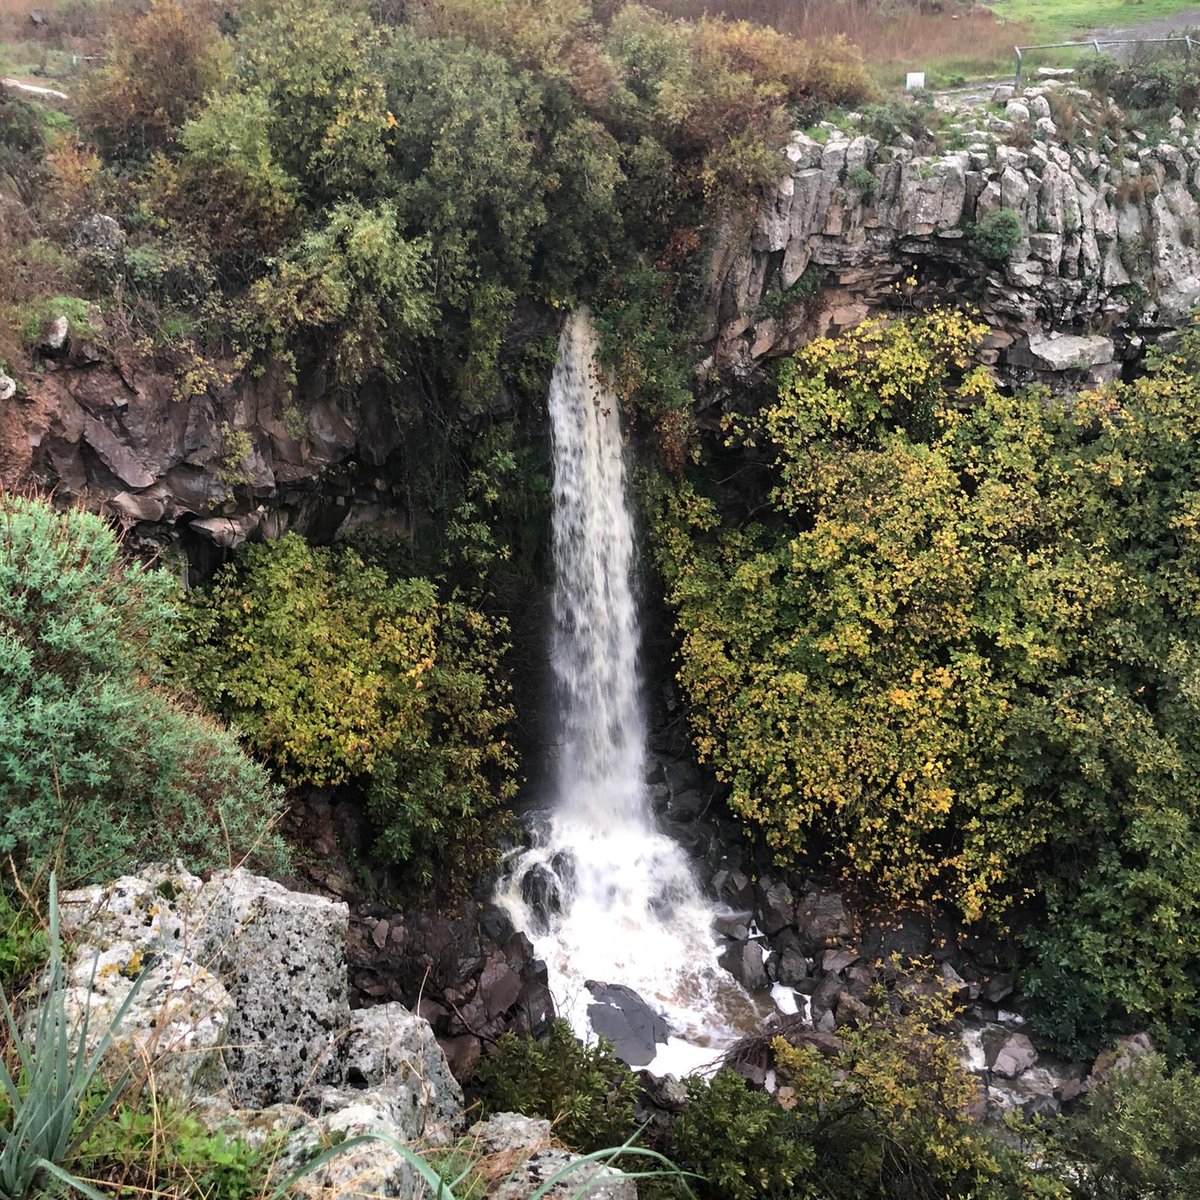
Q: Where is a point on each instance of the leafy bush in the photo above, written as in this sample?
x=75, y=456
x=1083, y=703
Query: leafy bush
x=956, y=656
x=97, y=760
x=863, y=181
x=998, y=235
x=899, y=115
x=586, y=1092
x=344, y=676
x=1136, y=1135
x=158, y=67
x=741, y=1142
x=885, y=1113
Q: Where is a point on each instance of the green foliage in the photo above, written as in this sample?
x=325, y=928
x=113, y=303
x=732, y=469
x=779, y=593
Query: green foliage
x=884, y=1114
x=22, y=943
x=908, y=115
x=97, y=760
x=863, y=182
x=44, y=1106
x=168, y=1152
x=357, y=286
x=997, y=235
x=741, y=1142
x=957, y=657
x=1147, y=89
x=586, y=1092
x=345, y=676
x=38, y=319
x=1136, y=1135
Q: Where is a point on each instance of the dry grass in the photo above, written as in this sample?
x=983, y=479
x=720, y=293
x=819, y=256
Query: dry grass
x=892, y=40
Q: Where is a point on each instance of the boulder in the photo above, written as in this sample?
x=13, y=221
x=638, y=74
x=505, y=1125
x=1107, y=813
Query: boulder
x=394, y=1053
x=100, y=242
x=776, y=906
x=744, y=961
x=1121, y=1056
x=822, y=921
x=622, y=1016
x=525, y=1143
x=1008, y=1054
x=8, y=386
x=1069, y=352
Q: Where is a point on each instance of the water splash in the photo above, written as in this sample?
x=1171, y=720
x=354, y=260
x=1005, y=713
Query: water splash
x=603, y=894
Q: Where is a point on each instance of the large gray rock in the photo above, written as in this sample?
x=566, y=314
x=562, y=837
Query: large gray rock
x=525, y=1142
x=239, y=965
x=145, y=928
x=283, y=956
x=394, y=1053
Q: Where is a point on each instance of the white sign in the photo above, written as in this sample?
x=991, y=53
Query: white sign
x=916, y=81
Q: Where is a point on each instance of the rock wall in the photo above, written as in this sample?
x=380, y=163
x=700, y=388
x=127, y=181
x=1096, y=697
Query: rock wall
x=211, y=470
x=1111, y=243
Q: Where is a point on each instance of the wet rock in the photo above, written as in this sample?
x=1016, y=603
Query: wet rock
x=776, y=905
x=686, y=805
x=822, y=921
x=499, y=986
x=622, y=1016
x=744, y=961
x=733, y=925
x=908, y=935
x=850, y=1011
x=833, y=962
x=1008, y=1054
x=541, y=890
x=792, y=967
x=999, y=987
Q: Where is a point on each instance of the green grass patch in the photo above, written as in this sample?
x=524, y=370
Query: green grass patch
x=1060, y=20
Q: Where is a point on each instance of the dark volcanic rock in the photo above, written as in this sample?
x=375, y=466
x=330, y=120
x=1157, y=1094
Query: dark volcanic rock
x=822, y=920
x=744, y=961
x=777, y=906
x=621, y=1015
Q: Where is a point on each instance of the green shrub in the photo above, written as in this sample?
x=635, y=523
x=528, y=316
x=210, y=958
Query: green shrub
x=97, y=761
x=741, y=1142
x=344, y=676
x=997, y=235
x=586, y=1092
x=863, y=181
x=1136, y=1135
x=956, y=655
x=22, y=943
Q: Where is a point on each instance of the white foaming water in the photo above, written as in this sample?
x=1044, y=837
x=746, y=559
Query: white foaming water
x=605, y=896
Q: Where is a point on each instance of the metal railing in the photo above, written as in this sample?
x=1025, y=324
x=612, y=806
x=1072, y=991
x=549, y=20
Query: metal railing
x=1096, y=44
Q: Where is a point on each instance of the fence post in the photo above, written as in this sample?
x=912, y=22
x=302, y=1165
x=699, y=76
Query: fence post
x=1020, y=64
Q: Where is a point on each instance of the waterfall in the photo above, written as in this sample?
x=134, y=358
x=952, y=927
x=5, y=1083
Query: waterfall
x=603, y=895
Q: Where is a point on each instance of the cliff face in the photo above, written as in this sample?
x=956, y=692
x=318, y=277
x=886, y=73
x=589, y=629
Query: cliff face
x=213, y=469
x=1110, y=245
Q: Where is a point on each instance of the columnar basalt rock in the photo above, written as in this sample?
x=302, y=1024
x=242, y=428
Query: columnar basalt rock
x=1110, y=245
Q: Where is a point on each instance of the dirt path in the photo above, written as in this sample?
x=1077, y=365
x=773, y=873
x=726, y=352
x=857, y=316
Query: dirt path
x=34, y=89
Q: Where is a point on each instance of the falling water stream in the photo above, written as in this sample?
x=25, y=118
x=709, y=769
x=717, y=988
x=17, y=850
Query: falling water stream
x=603, y=894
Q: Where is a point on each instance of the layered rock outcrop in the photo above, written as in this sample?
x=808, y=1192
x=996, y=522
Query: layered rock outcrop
x=1110, y=240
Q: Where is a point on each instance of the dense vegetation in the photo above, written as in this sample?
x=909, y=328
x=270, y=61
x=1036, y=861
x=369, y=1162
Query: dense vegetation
x=938, y=640
x=957, y=657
